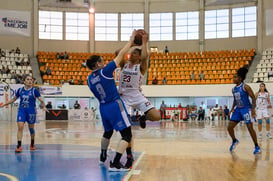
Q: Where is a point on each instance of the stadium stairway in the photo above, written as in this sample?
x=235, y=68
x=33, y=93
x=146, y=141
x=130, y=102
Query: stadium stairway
x=35, y=70
x=252, y=68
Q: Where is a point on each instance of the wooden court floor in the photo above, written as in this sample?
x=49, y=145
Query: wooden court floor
x=171, y=151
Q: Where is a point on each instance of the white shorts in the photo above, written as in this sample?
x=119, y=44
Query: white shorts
x=137, y=101
x=262, y=113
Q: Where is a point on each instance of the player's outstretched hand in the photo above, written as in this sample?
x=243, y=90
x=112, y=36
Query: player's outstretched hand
x=145, y=37
x=45, y=109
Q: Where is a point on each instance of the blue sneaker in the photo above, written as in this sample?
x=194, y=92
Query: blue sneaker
x=257, y=150
x=233, y=145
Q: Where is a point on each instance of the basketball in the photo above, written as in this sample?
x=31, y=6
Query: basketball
x=138, y=37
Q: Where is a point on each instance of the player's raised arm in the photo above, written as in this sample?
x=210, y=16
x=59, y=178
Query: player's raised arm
x=144, y=53
x=125, y=49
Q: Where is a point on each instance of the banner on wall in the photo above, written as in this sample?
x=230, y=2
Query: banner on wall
x=56, y=114
x=15, y=23
x=80, y=115
x=50, y=90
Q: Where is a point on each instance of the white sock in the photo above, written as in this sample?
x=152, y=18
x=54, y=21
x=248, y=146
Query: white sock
x=260, y=133
x=267, y=132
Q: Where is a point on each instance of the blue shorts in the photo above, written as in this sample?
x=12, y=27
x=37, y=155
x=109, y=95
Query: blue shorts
x=114, y=116
x=26, y=115
x=242, y=114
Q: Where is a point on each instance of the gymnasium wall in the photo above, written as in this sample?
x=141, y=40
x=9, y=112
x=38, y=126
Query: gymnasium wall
x=11, y=42
x=267, y=23
x=32, y=44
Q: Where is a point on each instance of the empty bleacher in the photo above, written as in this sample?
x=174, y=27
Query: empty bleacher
x=64, y=70
x=264, y=66
x=218, y=66
x=9, y=61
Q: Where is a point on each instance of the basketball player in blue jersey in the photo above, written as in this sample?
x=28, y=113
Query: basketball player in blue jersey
x=26, y=110
x=113, y=112
x=242, y=109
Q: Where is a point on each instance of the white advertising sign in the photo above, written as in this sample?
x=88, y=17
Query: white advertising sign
x=15, y=23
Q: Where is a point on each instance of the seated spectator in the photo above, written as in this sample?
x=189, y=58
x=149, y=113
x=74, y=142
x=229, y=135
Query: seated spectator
x=66, y=56
x=62, y=56
x=179, y=105
x=164, y=81
x=48, y=71
x=221, y=113
x=226, y=111
x=259, y=80
x=201, y=114
x=49, y=105
x=18, y=79
x=18, y=51
x=77, y=105
x=166, y=49
x=18, y=61
x=2, y=53
x=192, y=75
x=71, y=82
x=63, y=107
x=215, y=112
x=58, y=55
x=210, y=113
x=3, y=70
x=155, y=81
x=83, y=64
x=201, y=75
x=46, y=82
x=13, y=75
x=193, y=114
x=270, y=73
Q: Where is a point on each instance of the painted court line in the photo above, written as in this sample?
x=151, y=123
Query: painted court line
x=133, y=171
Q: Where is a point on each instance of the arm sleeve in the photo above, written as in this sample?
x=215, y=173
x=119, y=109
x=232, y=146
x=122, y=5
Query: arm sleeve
x=37, y=93
x=17, y=94
x=109, y=69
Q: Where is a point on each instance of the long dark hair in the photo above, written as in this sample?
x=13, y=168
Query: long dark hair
x=264, y=87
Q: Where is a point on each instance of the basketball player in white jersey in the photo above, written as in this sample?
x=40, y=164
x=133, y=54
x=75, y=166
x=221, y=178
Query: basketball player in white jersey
x=131, y=75
x=263, y=103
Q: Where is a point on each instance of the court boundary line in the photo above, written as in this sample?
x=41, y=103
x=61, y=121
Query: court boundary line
x=130, y=173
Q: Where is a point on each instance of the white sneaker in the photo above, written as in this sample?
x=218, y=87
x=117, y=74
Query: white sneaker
x=260, y=136
x=268, y=135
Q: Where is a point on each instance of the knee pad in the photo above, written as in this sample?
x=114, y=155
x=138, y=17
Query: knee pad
x=268, y=121
x=126, y=134
x=31, y=130
x=108, y=134
x=260, y=121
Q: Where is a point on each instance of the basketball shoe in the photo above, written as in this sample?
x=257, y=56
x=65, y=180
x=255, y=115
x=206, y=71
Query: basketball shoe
x=142, y=121
x=103, y=157
x=233, y=145
x=18, y=150
x=257, y=150
x=32, y=148
x=117, y=167
x=129, y=162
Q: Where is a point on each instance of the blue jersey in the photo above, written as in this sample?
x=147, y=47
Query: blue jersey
x=241, y=97
x=27, y=97
x=101, y=82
